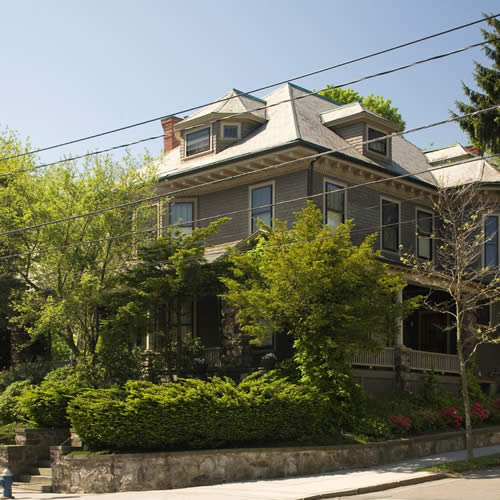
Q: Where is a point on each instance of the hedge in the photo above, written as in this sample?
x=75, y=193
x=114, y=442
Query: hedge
x=194, y=414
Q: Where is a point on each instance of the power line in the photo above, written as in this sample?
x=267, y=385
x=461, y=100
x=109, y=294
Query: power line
x=272, y=205
x=267, y=106
x=244, y=174
x=305, y=75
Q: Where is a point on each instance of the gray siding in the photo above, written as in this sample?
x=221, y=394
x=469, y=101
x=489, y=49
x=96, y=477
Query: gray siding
x=354, y=134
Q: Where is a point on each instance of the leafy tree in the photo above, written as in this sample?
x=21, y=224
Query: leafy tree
x=169, y=272
x=376, y=103
x=461, y=213
x=333, y=297
x=67, y=268
x=484, y=129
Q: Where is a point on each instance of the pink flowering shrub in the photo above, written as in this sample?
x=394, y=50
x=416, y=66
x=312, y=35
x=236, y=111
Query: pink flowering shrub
x=496, y=404
x=400, y=424
x=452, y=418
x=479, y=413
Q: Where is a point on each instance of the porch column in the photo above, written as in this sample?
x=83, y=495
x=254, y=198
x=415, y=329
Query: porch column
x=399, y=333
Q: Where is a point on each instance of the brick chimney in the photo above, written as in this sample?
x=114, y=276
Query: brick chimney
x=169, y=140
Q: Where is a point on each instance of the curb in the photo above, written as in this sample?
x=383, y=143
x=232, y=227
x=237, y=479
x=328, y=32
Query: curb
x=377, y=487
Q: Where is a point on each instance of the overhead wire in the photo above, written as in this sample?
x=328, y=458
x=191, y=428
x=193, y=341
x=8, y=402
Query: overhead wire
x=267, y=106
x=305, y=75
x=244, y=174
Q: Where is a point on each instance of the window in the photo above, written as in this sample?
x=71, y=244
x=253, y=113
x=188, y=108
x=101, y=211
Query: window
x=491, y=241
x=147, y=221
x=181, y=215
x=230, y=130
x=180, y=319
x=424, y=235
x=261, y=200
x=390, y=225
x=379, y=147
x=334, y=205
x=198, y=141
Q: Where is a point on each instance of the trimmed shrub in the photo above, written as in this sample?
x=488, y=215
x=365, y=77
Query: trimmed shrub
x=194, y=414
x=373, y=427
x=8, y=401
x=45, y=405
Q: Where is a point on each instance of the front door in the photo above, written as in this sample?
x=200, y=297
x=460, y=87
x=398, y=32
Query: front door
x=432, y=334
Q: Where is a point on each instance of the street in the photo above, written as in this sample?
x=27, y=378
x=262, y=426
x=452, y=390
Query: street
x=484, y=485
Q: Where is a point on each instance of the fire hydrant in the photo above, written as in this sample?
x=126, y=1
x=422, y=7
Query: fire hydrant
x=6, y=483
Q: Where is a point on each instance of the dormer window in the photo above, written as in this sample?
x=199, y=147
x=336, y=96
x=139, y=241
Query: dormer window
x=198, y=141
x=379, y=147
x=230, y=131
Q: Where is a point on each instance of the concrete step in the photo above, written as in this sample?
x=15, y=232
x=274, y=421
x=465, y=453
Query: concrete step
x=35, y=479
x=35, y=487
x=41, y=471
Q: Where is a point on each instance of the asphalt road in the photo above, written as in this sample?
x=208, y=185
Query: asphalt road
x=484, y=485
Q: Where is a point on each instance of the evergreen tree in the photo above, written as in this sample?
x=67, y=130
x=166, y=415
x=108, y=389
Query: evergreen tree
x=484, y=129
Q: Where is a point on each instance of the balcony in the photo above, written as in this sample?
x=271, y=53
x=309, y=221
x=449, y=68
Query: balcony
x=414, y=360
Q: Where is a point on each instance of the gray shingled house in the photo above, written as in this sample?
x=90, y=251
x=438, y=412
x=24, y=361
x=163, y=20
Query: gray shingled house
x=242, y=134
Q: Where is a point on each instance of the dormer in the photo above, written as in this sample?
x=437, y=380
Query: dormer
x=356, y=124
x=220, y=125
x=451, y=154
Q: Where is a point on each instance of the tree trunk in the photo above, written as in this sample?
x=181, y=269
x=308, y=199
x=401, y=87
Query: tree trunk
x=178, y=359
x=465, y=394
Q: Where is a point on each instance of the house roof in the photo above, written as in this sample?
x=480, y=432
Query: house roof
x=295, y=115
x=234, y=102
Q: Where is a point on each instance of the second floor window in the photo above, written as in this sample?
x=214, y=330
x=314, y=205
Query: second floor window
x=379, y=147
x=197, y=141
x=390, y=225
x=491, y=241
x=334, y=205
x=181, y=215
x=424, y=235
x=261, y=199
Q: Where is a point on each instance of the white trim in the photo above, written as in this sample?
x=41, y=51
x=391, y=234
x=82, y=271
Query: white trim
x=233, y=124
x=196, y=129
x=431, y=213
x=329, y=180
x=398, y=203
x=271, y=183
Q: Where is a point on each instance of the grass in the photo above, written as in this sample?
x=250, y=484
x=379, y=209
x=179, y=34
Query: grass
x=461, y=466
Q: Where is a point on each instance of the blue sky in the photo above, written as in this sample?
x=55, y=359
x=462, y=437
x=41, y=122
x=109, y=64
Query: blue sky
x=73, y=68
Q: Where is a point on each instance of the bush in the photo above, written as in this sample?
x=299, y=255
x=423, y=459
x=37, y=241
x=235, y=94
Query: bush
x=195, y=414
x=34, y=372
x=46, y=405
x=8, y=401
x=400, y=424
x=373, y=427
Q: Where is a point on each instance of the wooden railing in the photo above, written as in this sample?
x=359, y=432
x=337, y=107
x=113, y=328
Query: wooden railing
x=417, y=360
x=423, y=360
x=382, y=359
x=212, y=357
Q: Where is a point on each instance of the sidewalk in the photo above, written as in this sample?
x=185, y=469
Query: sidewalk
x=347, y=482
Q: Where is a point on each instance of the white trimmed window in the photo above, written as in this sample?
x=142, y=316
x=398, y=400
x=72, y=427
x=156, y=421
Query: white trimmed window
x=181, y=215
x=231, y=131
x=261, y=205
x=390, y=225
x=379, y=147
x=334, y=204
x=198, y=141
x=491, y=241
x=424, y=234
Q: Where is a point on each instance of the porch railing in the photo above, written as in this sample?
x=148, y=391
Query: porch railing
x=382, y=359
x=423, y=360
x=212, y=357
x=417, y=360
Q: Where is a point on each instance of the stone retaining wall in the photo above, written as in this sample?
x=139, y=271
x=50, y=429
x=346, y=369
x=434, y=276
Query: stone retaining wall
x=154, y=471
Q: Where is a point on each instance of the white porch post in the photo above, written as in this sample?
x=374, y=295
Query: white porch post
x=399, y=333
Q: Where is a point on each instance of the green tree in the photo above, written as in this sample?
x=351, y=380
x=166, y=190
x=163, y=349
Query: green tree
x=333, y=297
x=67, y=268
x=456, y=267
x=151, y=297
x=484, y=129
x=376, y=103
